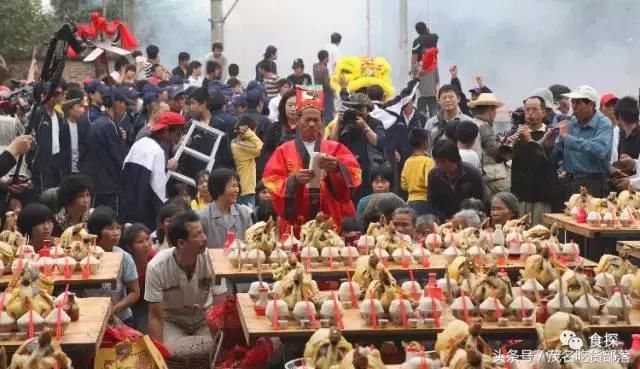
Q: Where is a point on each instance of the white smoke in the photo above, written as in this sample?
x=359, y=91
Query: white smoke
x=517, y=45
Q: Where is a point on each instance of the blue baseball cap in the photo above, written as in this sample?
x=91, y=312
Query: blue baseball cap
x=175, y=91
x=118, y=94
x=130, y=92
x=240, y=100
x=96, y=85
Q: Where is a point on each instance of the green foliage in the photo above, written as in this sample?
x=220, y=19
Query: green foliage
x=23, y=26
x=79, y=10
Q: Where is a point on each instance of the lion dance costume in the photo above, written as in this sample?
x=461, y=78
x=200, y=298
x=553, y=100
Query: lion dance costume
x=363, y=72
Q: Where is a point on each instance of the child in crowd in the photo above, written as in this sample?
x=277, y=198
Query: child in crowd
x=167, y=211
x=416, y=171
x=467, y=134
x=203, y=197
x=103, y=222
x=179, y=192
x=136, y=240
x=404, y=220
x=246, y=148
x=381, y=181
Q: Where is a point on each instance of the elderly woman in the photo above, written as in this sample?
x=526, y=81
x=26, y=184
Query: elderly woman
x=74, y=196
x=467, y=218
x=504, y=207
x=309, y=175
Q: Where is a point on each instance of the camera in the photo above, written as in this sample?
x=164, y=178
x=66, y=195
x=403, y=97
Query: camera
x=517, y=117
x=348, y=120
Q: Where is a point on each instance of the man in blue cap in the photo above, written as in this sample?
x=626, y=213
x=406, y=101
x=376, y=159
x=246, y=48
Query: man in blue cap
x=176, y=98
x=125, y=121
x=239, y=103
x=270, y=55
x=255, y=105
x=105, y=155
x=94, y=89
x=52, y=160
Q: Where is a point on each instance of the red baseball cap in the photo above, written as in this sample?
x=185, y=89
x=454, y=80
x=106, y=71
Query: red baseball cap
x=608, y=98
x=167, y=119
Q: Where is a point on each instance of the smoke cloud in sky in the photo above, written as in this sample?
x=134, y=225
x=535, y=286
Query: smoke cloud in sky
x=521, y=45
x=517, y=45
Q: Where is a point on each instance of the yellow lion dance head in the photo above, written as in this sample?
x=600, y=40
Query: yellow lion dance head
x=363, y=72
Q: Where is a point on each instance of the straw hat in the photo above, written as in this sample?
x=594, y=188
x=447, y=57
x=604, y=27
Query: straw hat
x=487, y=99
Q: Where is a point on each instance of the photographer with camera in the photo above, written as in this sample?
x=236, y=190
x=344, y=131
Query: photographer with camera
x=533, y=173
x=363, y=135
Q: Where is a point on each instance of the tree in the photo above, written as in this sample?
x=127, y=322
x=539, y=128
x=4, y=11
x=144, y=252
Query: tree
x=79, y=10
x=23, y=26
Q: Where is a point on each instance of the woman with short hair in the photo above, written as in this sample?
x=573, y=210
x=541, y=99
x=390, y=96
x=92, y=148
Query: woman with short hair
x=74, y=198
x=224, y=214
x=36, y=222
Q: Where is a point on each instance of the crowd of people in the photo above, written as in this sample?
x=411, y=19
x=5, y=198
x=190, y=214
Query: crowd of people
x=288, y=151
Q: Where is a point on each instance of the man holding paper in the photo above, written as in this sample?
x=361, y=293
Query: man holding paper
x=310, y=175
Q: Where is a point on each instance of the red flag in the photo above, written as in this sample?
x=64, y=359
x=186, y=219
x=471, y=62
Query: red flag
x=430, y=59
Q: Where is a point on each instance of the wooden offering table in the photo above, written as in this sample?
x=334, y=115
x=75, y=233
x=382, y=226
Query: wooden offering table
x=591, y=232
x=634, y=245
x=86, y=334
x=437, y=264
x=109, y=272
x=355, y=328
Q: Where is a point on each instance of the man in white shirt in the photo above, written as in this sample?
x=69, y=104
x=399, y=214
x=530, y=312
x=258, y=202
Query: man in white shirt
x=196, y=78
x=178, y=289
x=467, y=135
x=73, y=111
x=284, y=86
x=334, y=52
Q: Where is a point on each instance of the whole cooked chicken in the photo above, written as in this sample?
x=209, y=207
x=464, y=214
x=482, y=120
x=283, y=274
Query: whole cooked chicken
x=369, y=269
x=390, y=240
x=326, y=348
x=28, y=295
x=491, y=282
x=47, y=354
x=542, y=268
x=297, y=285
x=261, y=236
x=386, y=290
x=320, y=232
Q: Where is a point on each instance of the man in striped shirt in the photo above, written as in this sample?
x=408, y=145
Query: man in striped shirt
x=153, y=57
x=270, y=79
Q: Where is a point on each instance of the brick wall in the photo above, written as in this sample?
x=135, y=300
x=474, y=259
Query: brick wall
x=74, y=71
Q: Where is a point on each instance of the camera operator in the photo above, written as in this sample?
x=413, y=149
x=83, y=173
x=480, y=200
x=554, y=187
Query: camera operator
x=363, y=136
x=533, y=172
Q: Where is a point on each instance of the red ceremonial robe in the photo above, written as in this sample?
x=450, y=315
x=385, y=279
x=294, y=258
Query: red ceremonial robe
x=293, y=202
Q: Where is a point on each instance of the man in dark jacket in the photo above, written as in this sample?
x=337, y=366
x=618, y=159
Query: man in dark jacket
x=364, y=136
x=200, y=106
x=451, y=181
x=533, y=173
x=95, y=89
x=105, y=155
x=52, y=159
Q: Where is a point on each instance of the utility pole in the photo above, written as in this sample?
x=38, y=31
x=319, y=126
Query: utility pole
x=217, y=21
x=404, y=42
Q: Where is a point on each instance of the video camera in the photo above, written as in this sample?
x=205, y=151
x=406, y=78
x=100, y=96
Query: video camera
x=21, y=97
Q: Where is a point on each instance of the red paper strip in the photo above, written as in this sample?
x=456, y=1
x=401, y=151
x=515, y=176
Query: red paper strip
x=507, y=364
x=496, y=304
x=436, y=314
x=336, y=310
x=465, y=308
x=425, y=259
x=423, y=358
x=354, y=298
x=403, y=313
x=373, y=312
x=63, y=302
x=312, y=316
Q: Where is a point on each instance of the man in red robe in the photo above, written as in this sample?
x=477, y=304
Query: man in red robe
x=300, y=190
